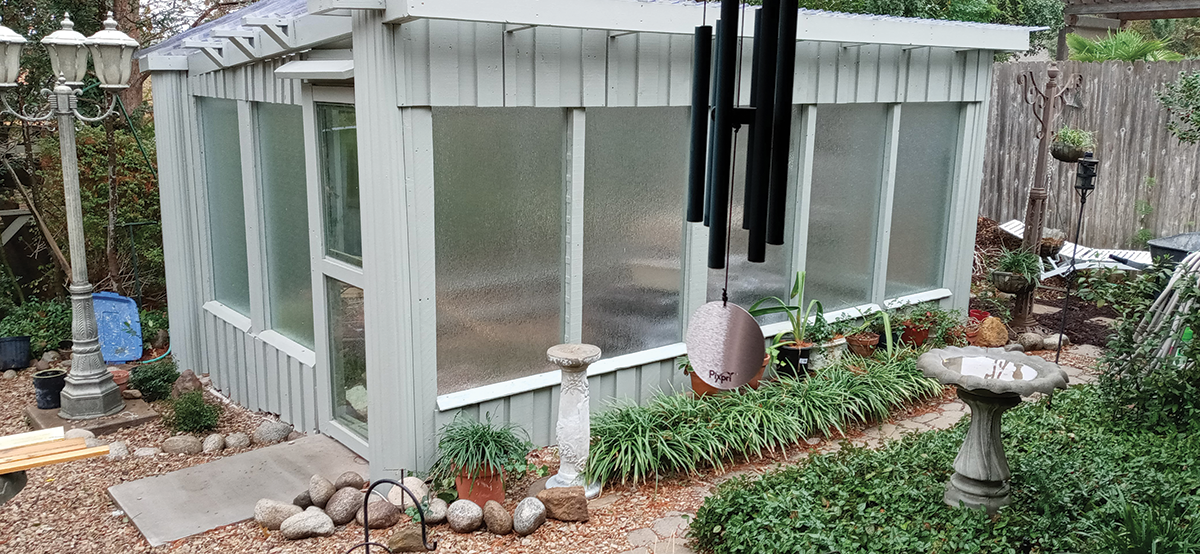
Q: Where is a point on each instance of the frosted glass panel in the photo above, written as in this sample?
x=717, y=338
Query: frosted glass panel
x=750, y=282
x=843, y=217
x=921, y=205
x=348, y=355
x=226, y=209
x=498, y=227
x=337, y=136
x=285, y=206
x=636, y=178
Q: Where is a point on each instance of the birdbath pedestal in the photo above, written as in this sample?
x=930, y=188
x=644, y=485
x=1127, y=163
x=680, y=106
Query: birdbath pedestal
x=574, y=416
x=990, y=381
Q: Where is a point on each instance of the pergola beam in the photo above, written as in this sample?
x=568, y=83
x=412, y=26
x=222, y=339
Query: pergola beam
x=1131, y=10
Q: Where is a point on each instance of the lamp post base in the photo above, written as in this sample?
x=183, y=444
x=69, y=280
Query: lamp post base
x=90, y=397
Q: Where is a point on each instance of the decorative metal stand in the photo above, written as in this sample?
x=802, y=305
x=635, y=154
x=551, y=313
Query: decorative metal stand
x=574, y=417
x=367, y=543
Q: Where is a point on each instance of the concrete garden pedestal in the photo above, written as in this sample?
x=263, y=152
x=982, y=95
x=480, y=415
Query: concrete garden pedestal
x=989, y=381
x=574, y=416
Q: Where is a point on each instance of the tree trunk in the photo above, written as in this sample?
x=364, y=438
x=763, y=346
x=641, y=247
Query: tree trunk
x=126, y=13
x=114, y=265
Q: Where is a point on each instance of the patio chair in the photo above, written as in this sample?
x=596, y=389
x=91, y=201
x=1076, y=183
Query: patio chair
x=1085, y=257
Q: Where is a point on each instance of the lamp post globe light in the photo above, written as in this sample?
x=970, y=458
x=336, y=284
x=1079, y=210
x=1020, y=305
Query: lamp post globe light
x=90, y=391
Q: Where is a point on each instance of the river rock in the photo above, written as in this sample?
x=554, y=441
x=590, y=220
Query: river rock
x=214, y=443
x=496, y=518
x=320, y=490
x=1051, y=342
x=41, y=365
x=237, y=440
x=131, y=394
x=383, y=514
x=10, y=374
x=312, y=522
x=1030, y=341
x=271, y=432
x=406, y=538
x=183, y=444
x=565, y=503
x=414, y=484
x=529, y=515
x=79, y=434
x=145, y=451
x=118, y=450
x=992, y=333
x=93, y=443
x=50, y=356
x=303, y=500
x=344, y=503
x=185, y=383
x=435, y=514
x=271, y=513
x=464, y=516
x=349, y=479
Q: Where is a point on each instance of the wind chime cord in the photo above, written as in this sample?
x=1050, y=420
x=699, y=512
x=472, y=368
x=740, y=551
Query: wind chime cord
x=733, y=163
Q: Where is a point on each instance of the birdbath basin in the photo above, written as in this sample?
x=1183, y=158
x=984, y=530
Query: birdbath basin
x=990, y=381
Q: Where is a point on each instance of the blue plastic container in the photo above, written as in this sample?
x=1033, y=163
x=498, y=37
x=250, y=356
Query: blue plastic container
x=120, y=327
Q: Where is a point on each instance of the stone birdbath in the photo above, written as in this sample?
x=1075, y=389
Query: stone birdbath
x=990, y=381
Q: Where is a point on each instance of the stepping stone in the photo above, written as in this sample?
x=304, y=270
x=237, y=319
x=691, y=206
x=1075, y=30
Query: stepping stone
x=676, y=545
x=671, y=526
x=641, y=537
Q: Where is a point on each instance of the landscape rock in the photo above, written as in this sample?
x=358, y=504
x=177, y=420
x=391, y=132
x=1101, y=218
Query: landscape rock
x=496, y=518
x=320, y=490
x=79, y=434
x=565, y=503
x=205, y=380
x=1014, y=347
x=294, y=435
x=183, y=444
x=1051, y=342
x=529, y=515
x=1030, y=341
x=144, y=452
x=41, y=365
x=406, y=538
x=464, y=516
x=131, y=394
x=10, y=374
x=435, y=514
x=349, y=479
x=50, y=356
x=992, y=333
x=271, y=513
x=214, y=443
x=312, y=522
x=118, y=450
x=344, y=504
x=185, y=383
x=383, y=514
x=237, y=440
x=303, y=500
x=414, y=484
x=93, y=443
x=161, y=338
x=271, y=432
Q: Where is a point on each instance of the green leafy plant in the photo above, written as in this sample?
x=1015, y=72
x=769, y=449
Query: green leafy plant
x=797, y=315
x=1141, y=528
x=45, y=322
x=191, y=413
x=470, y=446
x=154, y=380
x=1020, y=262
x=1075, y=138
x=1181, y=98
x=1126, y=46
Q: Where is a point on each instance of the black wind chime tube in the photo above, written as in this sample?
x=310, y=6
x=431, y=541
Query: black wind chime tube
x=758, y=162
x=723, y=128
x=712, y=135
x=785, y=74
x=756, y=54
x=701, y=62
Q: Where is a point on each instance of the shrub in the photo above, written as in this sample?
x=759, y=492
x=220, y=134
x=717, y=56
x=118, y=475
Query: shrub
x=474, y=446
x=46, y=322
x=191, y=413
x=154, y=380
x=1181, y=98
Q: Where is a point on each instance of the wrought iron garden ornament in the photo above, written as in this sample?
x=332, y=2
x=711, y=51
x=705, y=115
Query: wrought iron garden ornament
x=366, y=519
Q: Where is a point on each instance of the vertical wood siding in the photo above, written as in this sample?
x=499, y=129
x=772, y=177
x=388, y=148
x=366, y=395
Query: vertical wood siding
x=254, y=82
x=1117, y=103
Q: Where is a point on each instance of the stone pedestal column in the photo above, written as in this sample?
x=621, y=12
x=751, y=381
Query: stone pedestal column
x=981, y=472
x=574, y=418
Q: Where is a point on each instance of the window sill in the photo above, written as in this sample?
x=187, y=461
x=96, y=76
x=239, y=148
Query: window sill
x=290, y=347
x=228, y=315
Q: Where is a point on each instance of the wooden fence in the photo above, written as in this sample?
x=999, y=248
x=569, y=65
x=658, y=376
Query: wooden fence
x=1146, y=179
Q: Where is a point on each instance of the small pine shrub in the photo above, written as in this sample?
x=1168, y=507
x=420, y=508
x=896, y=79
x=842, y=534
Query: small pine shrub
x=154, y=380
x=191, y=413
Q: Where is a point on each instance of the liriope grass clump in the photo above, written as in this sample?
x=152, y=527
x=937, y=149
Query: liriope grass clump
x=676, y=433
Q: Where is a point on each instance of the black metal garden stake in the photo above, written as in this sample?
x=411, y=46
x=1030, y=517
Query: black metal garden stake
x=367, y=543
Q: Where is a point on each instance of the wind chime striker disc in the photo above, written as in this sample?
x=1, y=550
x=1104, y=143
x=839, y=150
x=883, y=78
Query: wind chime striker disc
x=724, y=345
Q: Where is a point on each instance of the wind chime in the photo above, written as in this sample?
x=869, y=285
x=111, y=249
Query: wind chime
x=724, y=342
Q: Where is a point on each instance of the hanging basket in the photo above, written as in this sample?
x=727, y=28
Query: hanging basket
x=1066, y=153
x=1012, y=283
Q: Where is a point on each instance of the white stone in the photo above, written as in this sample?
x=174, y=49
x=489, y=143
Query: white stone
x=145, y=451
x=414, y=484
x=312, y=522
x=272, y=513
x=118, y=450
x=80, y=434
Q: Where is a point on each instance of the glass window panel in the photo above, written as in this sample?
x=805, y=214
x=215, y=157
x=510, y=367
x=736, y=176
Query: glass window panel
x=285, y=207
x=844, y=213
x=348, y=355
x=226, y=208
x=921, y=205
x=633, y=232
x=338, y=142
x=751, y=282
x=498, y=229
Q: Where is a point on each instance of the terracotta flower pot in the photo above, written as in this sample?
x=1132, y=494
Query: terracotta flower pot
x=978, y=315
x=488, y=485
x=120, y=377
x=863, y=344
x=914, y=336
x=700, y=388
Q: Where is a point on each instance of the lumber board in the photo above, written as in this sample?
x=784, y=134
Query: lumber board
x=22, y=465
x=32, y=437
x=41, y=449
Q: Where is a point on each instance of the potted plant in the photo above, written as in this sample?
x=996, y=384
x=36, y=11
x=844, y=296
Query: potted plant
x=48, y=385
x=793, y=350
x=700, y=388
x=476, y=454
x=1070, y=144
x=1016, y=271
x=829, y=339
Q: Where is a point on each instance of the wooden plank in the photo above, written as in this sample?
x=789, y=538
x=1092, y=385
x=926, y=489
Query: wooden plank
x=32, y=437
x=41, y=449
x=40, y=461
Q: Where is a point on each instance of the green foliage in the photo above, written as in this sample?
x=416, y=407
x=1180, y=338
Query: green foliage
x=152, y=322
x=1142, y=238
x=1019, y=261
x=1065, y=463
x=1075, y=137
x=1126, y=46
x=942, y=324
x=1130, y=294
x=191, y=413
x=154, y=380
x=1149, y=529
x=46, y=322
x=678, y=433
x=1181, y=98
x=797, y=314
x=473, y=446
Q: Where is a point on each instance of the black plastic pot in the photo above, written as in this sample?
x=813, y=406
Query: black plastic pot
x=48, y=384
x=793, y=362
x=14, y=352
x=1177, y=247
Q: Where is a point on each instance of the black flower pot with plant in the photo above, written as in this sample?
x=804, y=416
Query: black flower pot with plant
x=793, y=361
x=48, y=384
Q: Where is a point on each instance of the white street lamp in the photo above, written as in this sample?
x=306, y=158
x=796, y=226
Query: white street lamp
x=90, y=391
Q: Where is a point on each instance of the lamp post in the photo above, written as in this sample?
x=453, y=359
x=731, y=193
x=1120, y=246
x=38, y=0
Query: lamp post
x=90, y=391
x=1085, y=172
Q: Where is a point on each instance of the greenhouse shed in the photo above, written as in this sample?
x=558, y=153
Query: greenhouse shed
x=380, y=213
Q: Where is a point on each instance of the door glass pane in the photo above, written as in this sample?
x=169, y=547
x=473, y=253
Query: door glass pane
x=844, y=214
x=337, y=137
x=348, y=354
x=921, y=205
x=498, y=227
x=226, y=208
x=285, y=207
x=632, y=240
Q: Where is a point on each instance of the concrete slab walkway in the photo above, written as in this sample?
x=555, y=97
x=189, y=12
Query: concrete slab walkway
x=203, y=497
